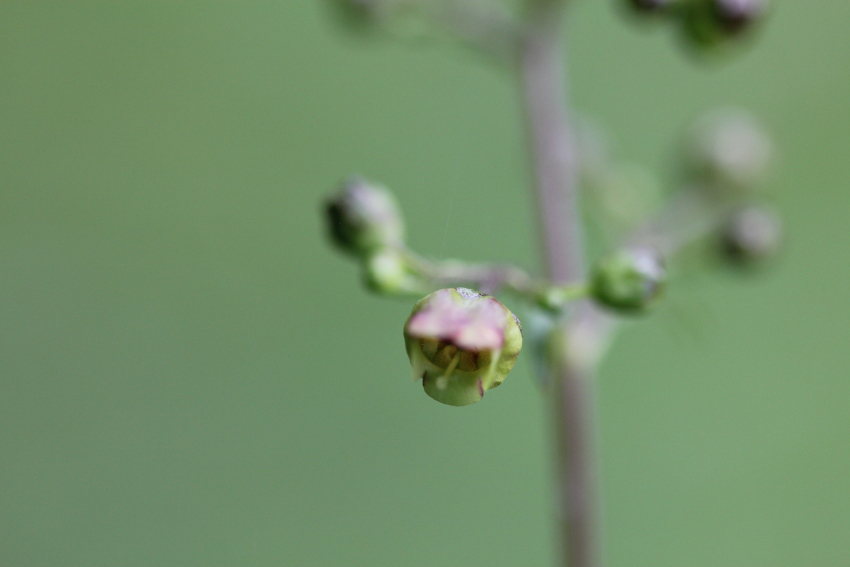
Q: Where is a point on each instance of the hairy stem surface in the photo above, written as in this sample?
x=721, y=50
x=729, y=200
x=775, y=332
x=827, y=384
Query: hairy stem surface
x=553, y=155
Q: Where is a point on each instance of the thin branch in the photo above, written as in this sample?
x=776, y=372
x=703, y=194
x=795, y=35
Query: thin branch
x=688, y=216
x=492, y=278
x=485, y=26
x=489, y=278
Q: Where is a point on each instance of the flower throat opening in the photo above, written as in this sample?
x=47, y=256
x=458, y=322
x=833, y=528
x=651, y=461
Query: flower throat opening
x=441, y=353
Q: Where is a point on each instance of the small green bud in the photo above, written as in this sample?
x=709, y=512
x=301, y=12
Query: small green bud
x=364, y=217
x=461, y=343
x=730, y=149
x=386, y=271
x=629, y=280
x=751, y=236
x=709, y=23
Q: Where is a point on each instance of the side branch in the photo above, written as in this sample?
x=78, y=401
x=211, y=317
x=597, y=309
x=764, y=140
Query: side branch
x=492, y=278
x=487, y=278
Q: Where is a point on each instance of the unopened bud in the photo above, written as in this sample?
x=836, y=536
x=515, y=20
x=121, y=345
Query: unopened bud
x=364, y=217
x=709, y=23
x=751, y=235
x=629, y=280
x=461, y=343
x=386, y=271
x=734, y=16
x=730, y=149
x=652, y=6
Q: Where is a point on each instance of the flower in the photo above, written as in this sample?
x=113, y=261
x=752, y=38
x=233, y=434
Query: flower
x=461, y=343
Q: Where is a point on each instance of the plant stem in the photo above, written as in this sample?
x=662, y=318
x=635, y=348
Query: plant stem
x=575, y=422
x=554, y=159
x=552, y=145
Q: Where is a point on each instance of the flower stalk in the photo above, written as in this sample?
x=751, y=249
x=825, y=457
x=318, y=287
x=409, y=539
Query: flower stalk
x=553, y=154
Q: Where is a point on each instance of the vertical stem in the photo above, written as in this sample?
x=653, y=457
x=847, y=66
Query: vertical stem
x=555, y=166
x=575, y=421
x=552, y=145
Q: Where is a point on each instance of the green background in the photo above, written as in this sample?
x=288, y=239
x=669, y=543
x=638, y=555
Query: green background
x=190, y=376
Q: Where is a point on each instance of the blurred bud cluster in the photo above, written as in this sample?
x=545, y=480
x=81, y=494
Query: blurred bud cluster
x=728, y=156
x=722, y=169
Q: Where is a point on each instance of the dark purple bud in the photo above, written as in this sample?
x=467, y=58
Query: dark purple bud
x=652, y=5
x=364, y=217
x=734, y=16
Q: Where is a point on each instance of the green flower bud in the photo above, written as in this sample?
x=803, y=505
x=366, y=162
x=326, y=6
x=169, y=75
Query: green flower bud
x=461, y=343
x=728, y=148
x=364, y=217
x=709, y=23
x=386, y=271
x=629, y=280
x=751, y=235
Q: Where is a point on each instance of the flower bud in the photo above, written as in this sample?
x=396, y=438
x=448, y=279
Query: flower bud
x=629, y=280
x=461, y=343
x=364, y=217
x=733, y=16
x=652, y=6
x=708, y=23
x=751, y=235
x=386, y=271
x=730, y=149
